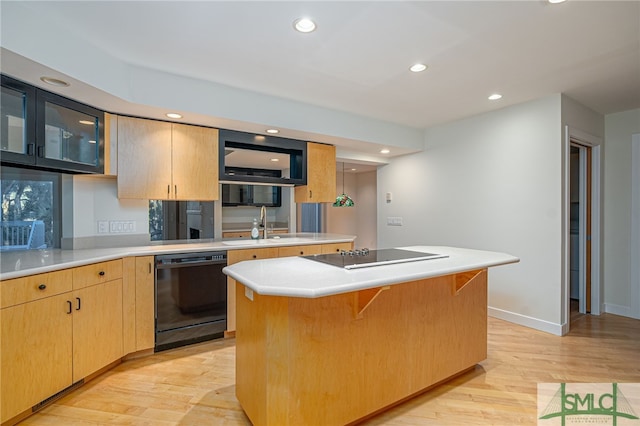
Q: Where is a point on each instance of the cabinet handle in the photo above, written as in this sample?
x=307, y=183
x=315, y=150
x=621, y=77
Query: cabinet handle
x=149, y=267
x=42, y=287
x=168, y=189
x=78, y=300
x=176, y=190
x=41, y=151
x=310, y=194
x=101, y=273
x=70, y=306
x=30, y=148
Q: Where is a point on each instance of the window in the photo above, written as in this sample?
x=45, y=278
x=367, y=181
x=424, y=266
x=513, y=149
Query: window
x=30, y=209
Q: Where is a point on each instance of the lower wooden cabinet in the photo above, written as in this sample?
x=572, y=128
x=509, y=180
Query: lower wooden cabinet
x=52, y=342
x=97, y=328
x=37, y=353
x=145, y=303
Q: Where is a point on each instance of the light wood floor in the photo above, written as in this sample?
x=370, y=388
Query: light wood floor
x=195, y=385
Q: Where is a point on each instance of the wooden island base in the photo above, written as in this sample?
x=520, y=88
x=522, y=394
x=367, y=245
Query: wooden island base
x=337, y=359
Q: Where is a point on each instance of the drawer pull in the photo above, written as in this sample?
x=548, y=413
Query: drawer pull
x=301, y=252
x=255, y=256
x=42, y=286
x=101, y=273
x=78, y=300
x=70, y=306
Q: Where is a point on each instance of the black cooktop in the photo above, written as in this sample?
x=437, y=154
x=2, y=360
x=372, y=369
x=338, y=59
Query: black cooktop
x=365, y=258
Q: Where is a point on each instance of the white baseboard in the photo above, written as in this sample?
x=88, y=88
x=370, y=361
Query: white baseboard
x=624, y=311
x=535, y=323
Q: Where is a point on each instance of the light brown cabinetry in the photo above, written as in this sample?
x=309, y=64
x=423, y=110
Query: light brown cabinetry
x=166, y=161
x=321, y=175
x=57, y=328
x=235, y=256
x=299, y=250
x=145, y=333
x=37, y=353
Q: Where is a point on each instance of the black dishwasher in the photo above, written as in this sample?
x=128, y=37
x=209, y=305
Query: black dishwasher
x=191, y=298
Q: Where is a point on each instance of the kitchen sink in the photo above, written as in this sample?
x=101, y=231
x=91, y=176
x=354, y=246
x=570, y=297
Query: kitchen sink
x=270, y=240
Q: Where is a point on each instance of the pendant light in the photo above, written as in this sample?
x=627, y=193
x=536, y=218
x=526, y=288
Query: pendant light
x=343, y=200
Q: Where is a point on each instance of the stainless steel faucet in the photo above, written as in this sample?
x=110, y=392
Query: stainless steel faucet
x=263, y=221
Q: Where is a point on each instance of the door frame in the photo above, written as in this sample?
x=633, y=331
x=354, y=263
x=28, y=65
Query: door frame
x=597, y=296
x=635, y=226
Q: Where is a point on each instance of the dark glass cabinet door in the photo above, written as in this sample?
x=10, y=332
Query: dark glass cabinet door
x=17, y=122
x=46, y=130
x=70, y=135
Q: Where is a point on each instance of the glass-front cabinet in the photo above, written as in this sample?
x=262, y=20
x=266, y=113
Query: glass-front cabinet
x=47, y=130
x=17, y=122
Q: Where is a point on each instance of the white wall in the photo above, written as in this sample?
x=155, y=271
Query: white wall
x=359, y=220
x=619, y=129
x=95, y=199
x=492, y=182
x=366, y=195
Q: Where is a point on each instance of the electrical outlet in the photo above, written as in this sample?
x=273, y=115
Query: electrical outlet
x=394, y=221
x=103, y=227
x=122, y=226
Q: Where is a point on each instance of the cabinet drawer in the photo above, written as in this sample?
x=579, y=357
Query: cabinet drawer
x=336, y=248
x=235, y=256
x=34, y=287
x=96, y=273
x=299, y=250
x=231, y=234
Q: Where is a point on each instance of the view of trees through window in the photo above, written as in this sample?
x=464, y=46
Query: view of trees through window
x=30, y=218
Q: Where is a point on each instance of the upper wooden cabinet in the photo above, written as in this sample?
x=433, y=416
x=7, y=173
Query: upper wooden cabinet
x=321, y=175
x=166, y=161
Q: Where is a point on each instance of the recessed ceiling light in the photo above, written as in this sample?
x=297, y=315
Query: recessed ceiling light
x=87, y=122
x=173, y=115
x=54, y=81
x=92, y=141
x=384, y=151
x=495, y=97
x=353, y=170
x=275, y=159
x=418, y=67
x=556, y=1
x=273, y=131
x=304, y=25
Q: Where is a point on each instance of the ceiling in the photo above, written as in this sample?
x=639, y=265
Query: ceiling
x=355, y=64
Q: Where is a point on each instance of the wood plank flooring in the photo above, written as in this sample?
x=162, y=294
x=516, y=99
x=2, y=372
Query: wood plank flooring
x=195, y=385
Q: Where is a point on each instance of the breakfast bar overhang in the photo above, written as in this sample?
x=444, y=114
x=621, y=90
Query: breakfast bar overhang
x=322, y=345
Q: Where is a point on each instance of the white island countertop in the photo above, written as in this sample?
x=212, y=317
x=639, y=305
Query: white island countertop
x=300, y=277
x=15, y=264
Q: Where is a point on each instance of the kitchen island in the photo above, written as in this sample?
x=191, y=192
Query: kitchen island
x=323, y=345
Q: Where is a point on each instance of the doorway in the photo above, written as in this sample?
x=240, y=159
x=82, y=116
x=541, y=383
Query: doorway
x=579, y=230
x=583, y=293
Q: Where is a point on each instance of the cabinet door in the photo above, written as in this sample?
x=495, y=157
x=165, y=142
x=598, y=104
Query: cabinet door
x=145, y=315
x=97, y=327
x=144, y=159
x=69, y=135
x=195, y=162
x=36, y=348
x=321, y=175
x=17, y=121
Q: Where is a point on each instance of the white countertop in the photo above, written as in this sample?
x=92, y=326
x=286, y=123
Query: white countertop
x=300, y=277
x=14, y=264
